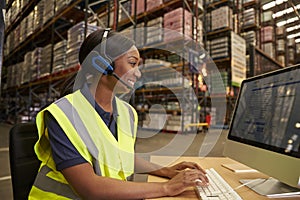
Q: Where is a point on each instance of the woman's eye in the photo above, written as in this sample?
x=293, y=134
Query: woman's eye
x=132, y=64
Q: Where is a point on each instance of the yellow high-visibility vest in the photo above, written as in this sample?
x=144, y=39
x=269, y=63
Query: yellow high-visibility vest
x=92, y=139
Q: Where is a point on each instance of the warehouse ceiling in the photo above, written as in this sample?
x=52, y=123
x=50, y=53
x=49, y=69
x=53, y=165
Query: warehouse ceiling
x=286, y=13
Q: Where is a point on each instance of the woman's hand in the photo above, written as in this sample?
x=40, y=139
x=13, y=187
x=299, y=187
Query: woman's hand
x=183, y=180
x=175, y=169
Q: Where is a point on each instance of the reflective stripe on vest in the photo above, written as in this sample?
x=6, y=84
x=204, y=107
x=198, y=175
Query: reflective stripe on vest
x=131, y=119
x=43, y=182
x=74, y=118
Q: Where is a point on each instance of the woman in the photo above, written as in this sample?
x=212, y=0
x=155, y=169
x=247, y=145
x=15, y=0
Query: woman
x=86, y=138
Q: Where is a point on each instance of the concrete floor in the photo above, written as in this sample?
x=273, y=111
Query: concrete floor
x=148, y=143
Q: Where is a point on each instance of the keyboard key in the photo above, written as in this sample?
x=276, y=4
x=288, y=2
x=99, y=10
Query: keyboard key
x=217, y=189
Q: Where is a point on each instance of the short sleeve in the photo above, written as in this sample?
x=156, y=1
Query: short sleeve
x=64, y=153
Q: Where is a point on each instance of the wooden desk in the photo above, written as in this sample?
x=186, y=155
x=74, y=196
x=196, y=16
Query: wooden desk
x=213, y=162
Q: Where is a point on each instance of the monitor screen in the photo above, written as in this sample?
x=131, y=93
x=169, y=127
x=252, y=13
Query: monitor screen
x=268, y=111
x=265, y=128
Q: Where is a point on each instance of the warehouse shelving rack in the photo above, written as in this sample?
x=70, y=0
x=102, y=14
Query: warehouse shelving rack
x=248, y=5
x=286, y=45
x=159, y=94
x=222, y=63
x=41, y=91
x=41, y=36
x=28, y=94
x=260, y=62
x=255, y=26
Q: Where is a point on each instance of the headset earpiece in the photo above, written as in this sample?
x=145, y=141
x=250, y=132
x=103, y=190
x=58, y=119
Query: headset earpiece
x=101, y=64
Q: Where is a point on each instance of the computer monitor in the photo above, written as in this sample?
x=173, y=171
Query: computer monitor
x=264, y=133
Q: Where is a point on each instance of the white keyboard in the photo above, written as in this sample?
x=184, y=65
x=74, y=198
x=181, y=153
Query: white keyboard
x=217, y=189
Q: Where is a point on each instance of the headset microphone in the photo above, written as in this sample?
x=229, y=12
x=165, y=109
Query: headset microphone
x=98, y=62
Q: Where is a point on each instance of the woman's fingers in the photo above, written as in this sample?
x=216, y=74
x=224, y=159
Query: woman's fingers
x=184, y=180
x=198, y=177
x=191, y=165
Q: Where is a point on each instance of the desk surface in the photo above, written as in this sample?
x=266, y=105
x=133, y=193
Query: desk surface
x=213, y=162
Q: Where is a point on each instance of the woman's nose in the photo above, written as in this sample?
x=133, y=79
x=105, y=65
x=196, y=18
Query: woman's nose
x=137, y=73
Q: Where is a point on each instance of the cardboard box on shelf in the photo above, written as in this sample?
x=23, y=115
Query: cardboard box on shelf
x=269, y=49
x=140, y=7
x=267, y=34
x=221, y=18
x=151, y=4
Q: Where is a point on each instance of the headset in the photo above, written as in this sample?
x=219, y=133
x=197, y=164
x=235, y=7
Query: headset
x=100, y=63
x=104, y=64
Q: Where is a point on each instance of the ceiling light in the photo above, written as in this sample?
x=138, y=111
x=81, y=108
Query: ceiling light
x=293, y=35
x=273, y=4
x=283, y=12
x=288, y=21
x=292, y=28
x=282, y=23
x=269, y=5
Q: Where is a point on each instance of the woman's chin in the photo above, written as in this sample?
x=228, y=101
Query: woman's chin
x=121, y=89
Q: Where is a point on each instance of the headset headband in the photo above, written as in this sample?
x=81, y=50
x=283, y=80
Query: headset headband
x=103, y=44
x=101, y=61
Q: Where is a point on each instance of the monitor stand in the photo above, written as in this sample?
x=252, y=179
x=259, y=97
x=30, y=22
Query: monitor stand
x=271, y=187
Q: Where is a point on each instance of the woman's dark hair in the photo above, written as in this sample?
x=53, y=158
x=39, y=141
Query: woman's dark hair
x=116, y=45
